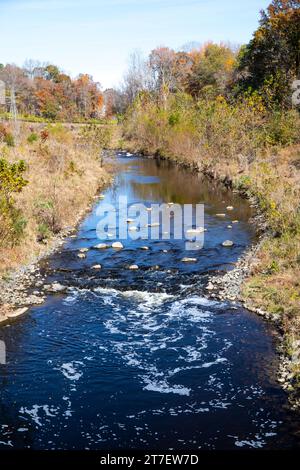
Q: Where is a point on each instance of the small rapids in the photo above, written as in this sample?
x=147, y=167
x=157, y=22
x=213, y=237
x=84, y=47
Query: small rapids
x=142, y=359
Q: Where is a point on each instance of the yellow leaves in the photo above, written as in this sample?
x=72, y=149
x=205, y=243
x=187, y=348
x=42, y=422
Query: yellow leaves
x=255, y=102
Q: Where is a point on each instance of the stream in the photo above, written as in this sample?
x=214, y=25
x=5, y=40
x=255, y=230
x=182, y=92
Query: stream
x=143, y=359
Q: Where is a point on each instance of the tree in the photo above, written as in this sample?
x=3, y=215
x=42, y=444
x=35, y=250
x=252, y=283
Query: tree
x=162, y=63
x=12, y=181
x=211, y=71
x=136, y=78
x=271, y=61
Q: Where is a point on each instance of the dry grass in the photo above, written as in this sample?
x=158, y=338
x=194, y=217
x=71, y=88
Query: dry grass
x=63, y=174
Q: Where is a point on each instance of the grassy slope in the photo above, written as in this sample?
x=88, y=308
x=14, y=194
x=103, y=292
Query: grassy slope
x=63, y=173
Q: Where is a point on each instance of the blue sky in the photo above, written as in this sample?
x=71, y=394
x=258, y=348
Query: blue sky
x=97, y=36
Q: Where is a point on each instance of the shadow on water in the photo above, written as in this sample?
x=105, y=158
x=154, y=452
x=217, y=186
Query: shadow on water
x=142, y=359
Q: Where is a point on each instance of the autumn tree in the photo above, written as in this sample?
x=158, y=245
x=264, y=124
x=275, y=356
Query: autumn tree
x=211, y=71
x=45, y=90
x=271, y=61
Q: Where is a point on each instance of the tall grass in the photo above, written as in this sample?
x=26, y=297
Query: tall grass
x=63, y=172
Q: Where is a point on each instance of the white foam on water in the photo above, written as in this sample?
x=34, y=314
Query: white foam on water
x=8, y=443
x=203, y=301
x=34, y=412
x=110, y=325
x=213, y=363
x=157, y=321
x=194, y=314
x=72, y=298
x=69, y=370
x=164, y=387
x=252, y=444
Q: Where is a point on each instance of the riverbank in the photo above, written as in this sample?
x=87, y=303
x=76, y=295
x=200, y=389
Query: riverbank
x=63, y=174
x=266, y=279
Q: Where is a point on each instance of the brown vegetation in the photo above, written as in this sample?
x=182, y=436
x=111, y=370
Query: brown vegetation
x=63, y=173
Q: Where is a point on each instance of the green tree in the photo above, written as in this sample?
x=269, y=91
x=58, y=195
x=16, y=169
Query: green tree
x=211, y=71
x=12, y=223
x=271, y=61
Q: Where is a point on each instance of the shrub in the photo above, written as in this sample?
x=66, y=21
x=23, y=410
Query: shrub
x=46, y=216
x=9, y=140
x=44, y=135
x=33, y=137
x=44, y=232
x=12, y=223
x=97, y=136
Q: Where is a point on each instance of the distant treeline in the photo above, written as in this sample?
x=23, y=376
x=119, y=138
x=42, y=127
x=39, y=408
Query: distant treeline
x=265, y=68
x=45, y=91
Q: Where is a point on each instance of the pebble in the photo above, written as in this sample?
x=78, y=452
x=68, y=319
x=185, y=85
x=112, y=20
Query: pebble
x=96, y=266
x=81, y=255
x=17, y=313
x=117, y=245
x=133, y=267
x=210, y=286
x=56, y=287
x=228, y=243
x=101, y=246
x=189, y=260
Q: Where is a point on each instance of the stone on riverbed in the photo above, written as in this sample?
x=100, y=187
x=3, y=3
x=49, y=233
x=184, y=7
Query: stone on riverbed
x=133, y=267
x=101, y=246
x=189, y=260
x=96, y=266
x=230, y=208
x=210, y=286
x=117, y=245
x=220, y=215
x=56, y=287
x=17, y=313
x=145, y=248
x=228, y=243
x=83, y=250
x=81, y=255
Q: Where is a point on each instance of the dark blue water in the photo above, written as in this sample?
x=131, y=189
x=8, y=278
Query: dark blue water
x=143, y=359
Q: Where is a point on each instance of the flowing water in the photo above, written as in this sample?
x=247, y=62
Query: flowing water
x=142, y=359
